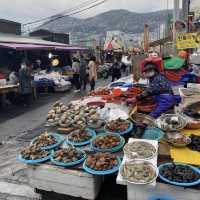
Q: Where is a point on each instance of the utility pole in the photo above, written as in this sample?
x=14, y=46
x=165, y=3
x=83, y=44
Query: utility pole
x=176, y=12
x=146, y=38
x=176, y=17
x=185, y=5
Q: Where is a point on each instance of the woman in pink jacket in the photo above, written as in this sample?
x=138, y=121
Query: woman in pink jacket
x=92, y=72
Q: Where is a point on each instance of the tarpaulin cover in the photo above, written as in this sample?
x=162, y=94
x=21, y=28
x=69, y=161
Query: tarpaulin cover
x=174, y=63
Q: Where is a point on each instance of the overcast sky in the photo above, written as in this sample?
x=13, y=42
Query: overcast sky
x=28, y=10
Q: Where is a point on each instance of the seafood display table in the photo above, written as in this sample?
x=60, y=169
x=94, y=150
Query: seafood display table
x=72, y=182
x=144, y=192
x=132, y=188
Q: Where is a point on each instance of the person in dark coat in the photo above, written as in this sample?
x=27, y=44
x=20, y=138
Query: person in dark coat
x=116, y=70
x=25, y=82
x=83, y=72
x=160, y=88
x=76, y=75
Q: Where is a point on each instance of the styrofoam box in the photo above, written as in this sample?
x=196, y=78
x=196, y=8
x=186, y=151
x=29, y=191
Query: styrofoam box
x=144, y=192
x=120, y=179
x=161, y=189
x=76, y=183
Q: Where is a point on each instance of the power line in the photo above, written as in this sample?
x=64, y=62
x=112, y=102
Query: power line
x=73, y=13
x=77, y=12
x=86, y=3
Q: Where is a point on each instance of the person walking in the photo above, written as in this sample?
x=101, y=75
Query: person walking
x=83, y=72
x=116, y=70
x=76, y=75
x=92, y=72
x=25, y=79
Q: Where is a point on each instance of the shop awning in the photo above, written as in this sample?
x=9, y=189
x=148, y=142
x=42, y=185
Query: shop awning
x=160, y=42
x=18, y=46
x=27, y=46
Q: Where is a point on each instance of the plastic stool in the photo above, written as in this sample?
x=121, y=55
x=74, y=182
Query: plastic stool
x=161, y=198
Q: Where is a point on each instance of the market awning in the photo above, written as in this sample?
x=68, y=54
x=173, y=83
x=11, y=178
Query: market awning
x=27, y=46
x=160, y=42
x=18, y=46
x=30, y=43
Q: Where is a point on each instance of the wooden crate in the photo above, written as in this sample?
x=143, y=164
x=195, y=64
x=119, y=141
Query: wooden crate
x=75, y=183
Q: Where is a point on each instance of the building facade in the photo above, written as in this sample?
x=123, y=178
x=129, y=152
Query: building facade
x=10, y=27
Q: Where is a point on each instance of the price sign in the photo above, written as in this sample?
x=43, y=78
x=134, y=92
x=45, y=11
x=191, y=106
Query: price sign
x=187, y=41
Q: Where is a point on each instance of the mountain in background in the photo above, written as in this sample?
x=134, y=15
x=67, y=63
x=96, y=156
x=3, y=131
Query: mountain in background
x=121, y=20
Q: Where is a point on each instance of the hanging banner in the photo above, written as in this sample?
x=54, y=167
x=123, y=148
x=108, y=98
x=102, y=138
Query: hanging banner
x=114, y=41
x=195, y=7
x=186, y=41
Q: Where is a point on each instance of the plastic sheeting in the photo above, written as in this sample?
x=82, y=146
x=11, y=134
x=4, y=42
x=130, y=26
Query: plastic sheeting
x=174, y=63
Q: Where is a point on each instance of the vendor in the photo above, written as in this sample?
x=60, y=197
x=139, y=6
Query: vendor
x=159, y=87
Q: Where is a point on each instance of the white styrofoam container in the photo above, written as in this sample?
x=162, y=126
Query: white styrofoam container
x=144, y=192
x=76, y=183
x=178, y=193
x=120, y=179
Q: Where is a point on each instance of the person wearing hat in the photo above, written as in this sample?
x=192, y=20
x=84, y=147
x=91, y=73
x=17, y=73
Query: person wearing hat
x=160, y=88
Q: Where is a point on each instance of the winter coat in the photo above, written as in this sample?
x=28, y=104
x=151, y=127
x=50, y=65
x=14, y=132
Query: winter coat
x=92, y=70
x=83, y=68
x=158, y=84
x=25, y=80
x=116, y=69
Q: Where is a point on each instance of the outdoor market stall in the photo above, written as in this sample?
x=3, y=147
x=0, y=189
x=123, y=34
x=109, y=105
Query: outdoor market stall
x=53, y=79
x=100, y=135
x=51, y=55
